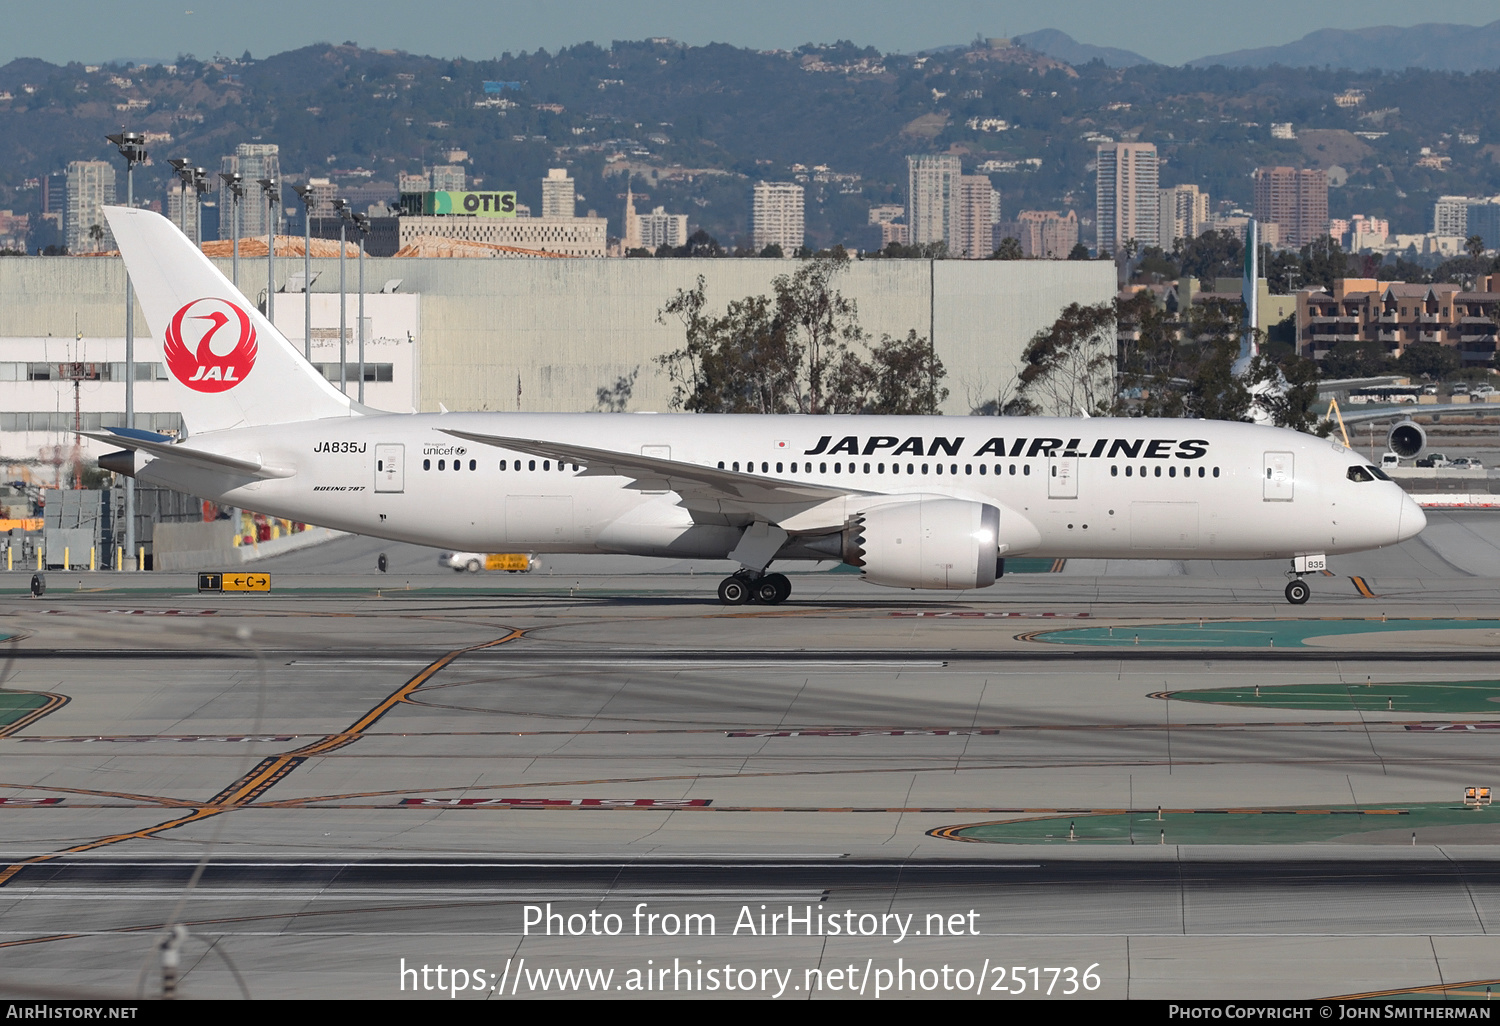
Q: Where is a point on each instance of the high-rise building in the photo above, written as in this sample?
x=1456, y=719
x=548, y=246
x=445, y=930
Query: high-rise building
x=1450, y=216
x=447, y=178
x=253, y=161
x=91, y=186
x=1047, y=234
x=1294, y=199
x=932, y=194
x=1127, y=199
x=776, y=216
x=1483, y=219
x=660, y=228
x=558, y=195
x=182, y=206
x=978, y=213
x=1184, y=214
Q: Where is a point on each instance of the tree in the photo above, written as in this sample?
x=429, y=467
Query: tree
x=1214, y=254
x=1323, y=262
x=1009, y=249
x=773, y=249
x=1474, y=246
x=800, y=350
x=1078, y=252
x=1070, y=367
x=96, y=235
x=1286, y=388
x=1431, y=360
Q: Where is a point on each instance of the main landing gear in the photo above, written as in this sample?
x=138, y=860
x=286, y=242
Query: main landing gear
x=742, y=587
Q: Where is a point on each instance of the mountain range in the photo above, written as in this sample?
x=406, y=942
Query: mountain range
x=1432, y=47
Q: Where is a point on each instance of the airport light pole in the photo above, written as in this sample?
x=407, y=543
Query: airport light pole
x=184, y=172
x=273, y=205
x=132, y=146
x=305, y=194
x=362, y=225
x=236, y=186
x=341, y=208
x=200, y=187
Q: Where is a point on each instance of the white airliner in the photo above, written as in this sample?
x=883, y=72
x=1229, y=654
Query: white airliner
x=914, y=502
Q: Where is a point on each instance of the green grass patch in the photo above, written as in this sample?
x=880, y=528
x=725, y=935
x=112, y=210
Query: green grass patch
x=16, y=704
x=1306, y=825
x=1247, y=633
x=1480, y=696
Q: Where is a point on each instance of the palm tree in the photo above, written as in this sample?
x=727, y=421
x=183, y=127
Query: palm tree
x=96, y=233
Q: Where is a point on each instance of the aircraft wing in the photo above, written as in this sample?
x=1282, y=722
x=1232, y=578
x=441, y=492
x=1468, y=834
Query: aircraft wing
x=180, y=453
x=697, y=485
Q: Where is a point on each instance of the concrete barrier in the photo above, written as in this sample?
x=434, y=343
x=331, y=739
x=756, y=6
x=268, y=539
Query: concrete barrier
x=179, y=547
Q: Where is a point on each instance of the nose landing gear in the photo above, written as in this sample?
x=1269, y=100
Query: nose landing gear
x=743, y=587
x=1297, y=592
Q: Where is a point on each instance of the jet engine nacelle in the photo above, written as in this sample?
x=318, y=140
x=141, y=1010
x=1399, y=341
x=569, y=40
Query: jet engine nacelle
x=1406, y=439
x=930, y=543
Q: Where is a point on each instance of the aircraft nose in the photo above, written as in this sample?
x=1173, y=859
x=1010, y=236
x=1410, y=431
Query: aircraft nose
x=1411, y=519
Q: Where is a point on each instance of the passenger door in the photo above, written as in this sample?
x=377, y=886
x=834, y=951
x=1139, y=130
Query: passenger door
x=1280, y=479
x=390, y=469
x=1062, y=477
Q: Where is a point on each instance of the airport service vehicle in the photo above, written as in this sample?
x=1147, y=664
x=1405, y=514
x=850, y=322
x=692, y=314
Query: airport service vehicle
x=1466, y=463
x=1483, y=390
x=1389, y=460
x=473, y=562
x=1433, y=459
x=913, y=502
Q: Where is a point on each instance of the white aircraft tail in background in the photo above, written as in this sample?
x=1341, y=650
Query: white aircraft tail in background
x=234, y=368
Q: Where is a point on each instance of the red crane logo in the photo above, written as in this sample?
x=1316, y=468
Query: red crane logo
x=203, y=357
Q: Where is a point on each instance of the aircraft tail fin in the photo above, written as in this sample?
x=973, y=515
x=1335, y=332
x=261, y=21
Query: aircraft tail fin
x=228, y=364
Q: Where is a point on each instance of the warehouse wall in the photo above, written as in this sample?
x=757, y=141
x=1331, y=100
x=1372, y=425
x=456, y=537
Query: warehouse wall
x=568, y=327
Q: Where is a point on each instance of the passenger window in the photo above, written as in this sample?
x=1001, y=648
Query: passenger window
x=1012, y=470
x=981, y=470
x=939, y=469
x=924, y=468
x=721, y=464
x=380, y=464
x=1172, y=471
x=736, y=465
x=778, y=468
x=822, y=468
x=880, y=468
x=1026, y=470
x=1200, y=471
x=1114, y=471
x=910, y=469
x=838, y=468
x=1158, y=472
x=953, y=468
x=867, y=468
x=473, y=464
x=530, y=465
x=1216, y=472
x=765, y=468
x=426, y=464
x=502, y=464
x=442, y=464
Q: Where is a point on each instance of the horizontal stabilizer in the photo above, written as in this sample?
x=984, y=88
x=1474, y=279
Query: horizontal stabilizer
x=180, y=453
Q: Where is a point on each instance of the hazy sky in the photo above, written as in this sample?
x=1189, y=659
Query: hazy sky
x=1171, y=31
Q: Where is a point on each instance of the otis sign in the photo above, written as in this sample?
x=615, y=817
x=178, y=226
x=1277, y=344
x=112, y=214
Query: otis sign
x=210, y=345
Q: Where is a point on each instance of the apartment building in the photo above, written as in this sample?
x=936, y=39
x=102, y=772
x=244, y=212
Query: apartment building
x=1397, y=314
x=1127, y=199
x=1296, y=200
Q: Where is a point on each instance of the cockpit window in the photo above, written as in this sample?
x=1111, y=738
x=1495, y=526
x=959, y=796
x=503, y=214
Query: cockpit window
x=1379, y=474
x=1362, y=473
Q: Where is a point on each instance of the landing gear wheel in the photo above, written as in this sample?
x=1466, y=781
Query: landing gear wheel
x=734, y=591
x=1297, y=593
x=772, y=589
x=472, y=566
